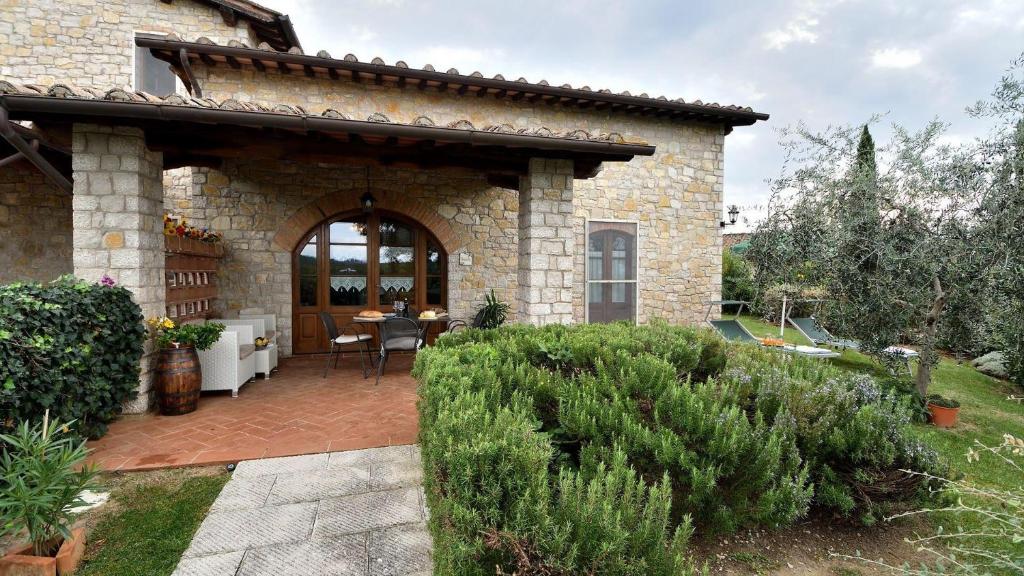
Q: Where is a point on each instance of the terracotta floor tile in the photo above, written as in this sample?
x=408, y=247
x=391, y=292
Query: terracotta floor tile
x=295, y=412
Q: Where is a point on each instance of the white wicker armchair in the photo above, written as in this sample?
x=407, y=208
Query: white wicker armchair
x=269, y=323
x=266, y=359
x=230, y=362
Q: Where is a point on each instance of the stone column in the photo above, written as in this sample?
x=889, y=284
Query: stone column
x=118, y=227
x=546, y=243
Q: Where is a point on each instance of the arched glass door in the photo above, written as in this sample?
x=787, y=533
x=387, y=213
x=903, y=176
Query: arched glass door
x=357, y=262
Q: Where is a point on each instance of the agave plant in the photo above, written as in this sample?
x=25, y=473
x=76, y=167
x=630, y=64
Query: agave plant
x=494, y=313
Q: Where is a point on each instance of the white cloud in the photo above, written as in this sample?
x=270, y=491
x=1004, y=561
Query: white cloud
x=896, y=58
x=740, y=139
x=802, y=30
x=444, y=57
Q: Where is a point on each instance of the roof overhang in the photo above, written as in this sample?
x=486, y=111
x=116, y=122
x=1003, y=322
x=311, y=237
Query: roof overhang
x=268, y=25
x=236, y=56
x=195, y=136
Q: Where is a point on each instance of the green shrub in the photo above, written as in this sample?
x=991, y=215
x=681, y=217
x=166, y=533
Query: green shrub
x=737, y=277
x=71, y=347
x=600, y=448
x=41, y=469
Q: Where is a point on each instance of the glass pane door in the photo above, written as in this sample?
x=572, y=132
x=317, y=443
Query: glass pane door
x=397, y=262
x=309, y=266
x=349, y=270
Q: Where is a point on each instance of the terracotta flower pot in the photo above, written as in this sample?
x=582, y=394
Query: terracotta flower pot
x=21, y=562
x=943, y=417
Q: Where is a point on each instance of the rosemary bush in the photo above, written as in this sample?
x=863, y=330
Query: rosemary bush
x=601, y=448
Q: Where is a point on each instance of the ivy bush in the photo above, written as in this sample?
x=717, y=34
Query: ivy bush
x=70, y=346
x=599, y=449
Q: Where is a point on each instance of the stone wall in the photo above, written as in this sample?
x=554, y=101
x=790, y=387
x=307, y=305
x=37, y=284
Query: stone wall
x=675, y=195
x=255, y=204
x=91, y=43
x=35, y=226
x=118, y=201
x=546, y=227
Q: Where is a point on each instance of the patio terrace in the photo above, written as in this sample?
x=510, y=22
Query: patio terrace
x=294, y=412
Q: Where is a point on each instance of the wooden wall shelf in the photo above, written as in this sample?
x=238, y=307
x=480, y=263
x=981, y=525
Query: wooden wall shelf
x=190, y=277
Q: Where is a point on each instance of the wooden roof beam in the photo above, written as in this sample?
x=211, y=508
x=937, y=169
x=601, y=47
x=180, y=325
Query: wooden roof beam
x=233, y=62
x=310, y=72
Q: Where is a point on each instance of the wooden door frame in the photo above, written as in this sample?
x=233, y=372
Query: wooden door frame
x=422, y=234
x=635, y=264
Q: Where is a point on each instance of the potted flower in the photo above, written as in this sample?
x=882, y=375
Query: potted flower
x=179, y=377
x=943, y=412
x=44, y=474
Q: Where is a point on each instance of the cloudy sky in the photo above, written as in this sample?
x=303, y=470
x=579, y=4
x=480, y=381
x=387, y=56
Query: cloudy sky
x=822, y=62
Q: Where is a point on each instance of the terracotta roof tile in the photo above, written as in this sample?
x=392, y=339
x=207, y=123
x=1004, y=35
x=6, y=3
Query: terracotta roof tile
x=476, y=74
x=69, y=91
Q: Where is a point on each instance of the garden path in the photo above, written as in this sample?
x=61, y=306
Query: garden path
x=360, y=512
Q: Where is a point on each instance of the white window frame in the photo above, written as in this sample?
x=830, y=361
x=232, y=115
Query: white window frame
x=586, y=267
x=179, y=86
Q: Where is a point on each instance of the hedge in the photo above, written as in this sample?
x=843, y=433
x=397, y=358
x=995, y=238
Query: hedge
x=70, y=346
x=599, y=449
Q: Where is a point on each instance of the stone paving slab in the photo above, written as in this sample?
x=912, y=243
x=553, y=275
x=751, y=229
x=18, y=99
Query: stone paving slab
x=242, y=529
x=312, y=486
x=344, y=556
x=345, y=513
x=363, y=512
x=400, y=550
x=244, y=493
x=214, y=565
x=278, y=466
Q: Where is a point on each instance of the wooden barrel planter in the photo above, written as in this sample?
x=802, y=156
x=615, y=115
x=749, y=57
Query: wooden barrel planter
x=179, y=379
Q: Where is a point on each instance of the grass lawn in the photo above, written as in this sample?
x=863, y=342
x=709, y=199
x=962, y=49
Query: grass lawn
x=150, y=520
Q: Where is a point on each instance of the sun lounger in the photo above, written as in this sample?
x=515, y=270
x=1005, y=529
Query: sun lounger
x=816, y=333
x=733, y=330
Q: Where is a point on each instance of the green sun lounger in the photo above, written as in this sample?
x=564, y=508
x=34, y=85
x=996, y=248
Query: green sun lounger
x=731, y=329
x=816, y=333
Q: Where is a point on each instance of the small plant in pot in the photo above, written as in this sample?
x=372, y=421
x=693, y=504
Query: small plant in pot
x=179, y=377
x=943, y=412
x=494, y=313
x=43, y=473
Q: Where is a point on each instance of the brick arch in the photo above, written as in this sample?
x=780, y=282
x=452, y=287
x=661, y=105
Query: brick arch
x=295, y=228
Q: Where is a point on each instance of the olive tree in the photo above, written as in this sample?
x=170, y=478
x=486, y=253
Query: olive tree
x=885, y=243
x=890, y=236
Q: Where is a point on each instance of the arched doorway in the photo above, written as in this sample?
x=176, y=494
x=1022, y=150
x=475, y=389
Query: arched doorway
x=356, y=261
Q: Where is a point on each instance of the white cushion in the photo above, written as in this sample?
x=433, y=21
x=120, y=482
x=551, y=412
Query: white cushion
x=352, y=338
x=904, y=352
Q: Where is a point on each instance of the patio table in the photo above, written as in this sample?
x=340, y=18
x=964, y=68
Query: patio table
x=423, y=323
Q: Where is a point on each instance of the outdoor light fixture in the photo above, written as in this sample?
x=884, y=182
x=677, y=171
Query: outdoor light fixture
x=734, y=212
x=367, y=201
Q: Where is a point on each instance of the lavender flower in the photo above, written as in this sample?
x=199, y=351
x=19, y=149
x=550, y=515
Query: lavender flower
x=107, y=281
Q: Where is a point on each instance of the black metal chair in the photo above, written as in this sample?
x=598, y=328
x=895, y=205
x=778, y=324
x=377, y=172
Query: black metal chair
x=397, y=335
x=478, y=322
x=343, y=338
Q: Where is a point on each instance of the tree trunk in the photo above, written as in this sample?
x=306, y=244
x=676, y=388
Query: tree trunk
x=929, y=357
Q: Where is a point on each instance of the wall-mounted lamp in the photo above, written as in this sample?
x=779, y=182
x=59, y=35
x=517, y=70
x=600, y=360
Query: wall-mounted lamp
x=734, y=212
x=367, y=200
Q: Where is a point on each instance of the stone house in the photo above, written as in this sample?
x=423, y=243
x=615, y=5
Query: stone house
x=573, y=204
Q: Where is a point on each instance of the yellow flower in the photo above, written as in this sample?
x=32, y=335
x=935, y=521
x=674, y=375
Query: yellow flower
x=168, y=323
